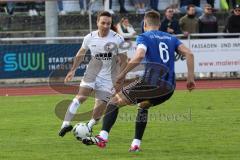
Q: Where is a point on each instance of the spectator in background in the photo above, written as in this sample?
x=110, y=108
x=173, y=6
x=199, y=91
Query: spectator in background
x=154, y=5
x=233, y=22
x=32, y=9
x=233, y=2
x=189, y=22
x=122, y=6
x=175, y=6
x=125, y=29
x=60, y=8
x=140, y=6
x=169, y=23
x=110, y=6
x=9, y=8
x=185, y=3
x=211, y=2
x=208, y=22
x=233, y=26
x=83, y=8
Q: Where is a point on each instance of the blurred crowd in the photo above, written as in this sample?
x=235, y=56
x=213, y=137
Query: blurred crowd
x=195, y=19
x=140, y=5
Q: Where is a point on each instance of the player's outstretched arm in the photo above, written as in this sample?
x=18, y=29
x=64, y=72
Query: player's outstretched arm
x=190, y=65
x=135, y=61
x=123, y=59
x=77, y=60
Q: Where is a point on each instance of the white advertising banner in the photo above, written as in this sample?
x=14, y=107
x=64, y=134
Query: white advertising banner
x=211, y=55
x=215, y=55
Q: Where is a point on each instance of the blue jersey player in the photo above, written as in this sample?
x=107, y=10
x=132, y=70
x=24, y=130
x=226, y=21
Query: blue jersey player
x=157, y=84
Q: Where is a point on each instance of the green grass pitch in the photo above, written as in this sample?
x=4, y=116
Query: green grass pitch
x=204, y=124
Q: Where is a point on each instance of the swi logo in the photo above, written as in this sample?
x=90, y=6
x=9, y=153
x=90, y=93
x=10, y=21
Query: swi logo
x=24, y=61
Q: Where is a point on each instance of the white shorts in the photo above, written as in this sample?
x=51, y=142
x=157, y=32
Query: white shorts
x=103, y=88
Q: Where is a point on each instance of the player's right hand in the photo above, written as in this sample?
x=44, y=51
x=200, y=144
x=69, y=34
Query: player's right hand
x=69, y=76
x=191, y=85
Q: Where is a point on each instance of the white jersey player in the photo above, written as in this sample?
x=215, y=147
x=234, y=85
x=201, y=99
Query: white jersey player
x=101, y=71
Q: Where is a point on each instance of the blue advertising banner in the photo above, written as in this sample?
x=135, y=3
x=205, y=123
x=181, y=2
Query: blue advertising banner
x=38, y=60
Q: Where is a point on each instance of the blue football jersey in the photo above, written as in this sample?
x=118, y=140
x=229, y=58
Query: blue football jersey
x=160, y=55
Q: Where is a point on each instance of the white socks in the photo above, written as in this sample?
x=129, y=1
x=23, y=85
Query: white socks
x=65, y=123
x=136, y=142
x=91, y=123
x=72, y=110
x=103, y=134
x=74, y=106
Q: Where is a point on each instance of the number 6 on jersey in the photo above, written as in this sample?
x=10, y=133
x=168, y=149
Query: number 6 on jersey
x=163, y=50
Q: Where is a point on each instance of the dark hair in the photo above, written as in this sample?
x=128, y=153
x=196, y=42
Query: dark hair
x=113, y=27
x=207, y=5
x=103, y=13
x=170, y=7
x=123, y=18
x=152, y=18
x=190, y=6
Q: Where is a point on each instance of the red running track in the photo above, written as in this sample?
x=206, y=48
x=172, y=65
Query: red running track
x=46, y=90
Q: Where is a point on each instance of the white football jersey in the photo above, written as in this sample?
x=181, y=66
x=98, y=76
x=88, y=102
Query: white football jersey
x=104, y=49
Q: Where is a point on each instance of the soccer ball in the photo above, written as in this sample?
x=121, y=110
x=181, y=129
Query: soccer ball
x=81, y=131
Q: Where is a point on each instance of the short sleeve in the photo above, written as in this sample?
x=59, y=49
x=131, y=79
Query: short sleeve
x=86, y=41
x=141, y=41
x=122, y=49
x=177, y=42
